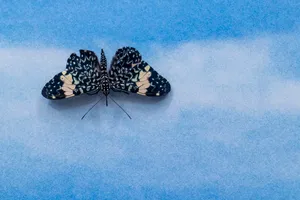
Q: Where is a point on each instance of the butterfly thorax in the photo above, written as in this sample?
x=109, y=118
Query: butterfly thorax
x=104, y=79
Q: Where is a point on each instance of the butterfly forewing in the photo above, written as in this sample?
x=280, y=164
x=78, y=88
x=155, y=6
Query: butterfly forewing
x=80, y=76
x=128, y=73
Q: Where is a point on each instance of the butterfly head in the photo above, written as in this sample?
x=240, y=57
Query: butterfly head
x=59, y=87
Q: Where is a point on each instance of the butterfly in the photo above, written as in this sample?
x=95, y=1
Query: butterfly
x=85, y=74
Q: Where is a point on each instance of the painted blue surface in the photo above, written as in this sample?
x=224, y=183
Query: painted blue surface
x=80, y=23
x=229, y=129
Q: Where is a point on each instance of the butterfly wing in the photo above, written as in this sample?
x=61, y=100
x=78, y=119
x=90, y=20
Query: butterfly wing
x=80, y=76
x=129, y=73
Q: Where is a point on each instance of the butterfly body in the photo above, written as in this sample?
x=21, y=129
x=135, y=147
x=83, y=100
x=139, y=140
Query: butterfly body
x=85, y=74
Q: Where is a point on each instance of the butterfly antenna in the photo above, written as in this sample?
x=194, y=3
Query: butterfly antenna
x=91, y=108
x=120, y=107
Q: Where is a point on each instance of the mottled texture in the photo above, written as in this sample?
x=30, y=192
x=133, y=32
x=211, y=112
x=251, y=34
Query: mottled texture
x=129, y=73
x=82, y=75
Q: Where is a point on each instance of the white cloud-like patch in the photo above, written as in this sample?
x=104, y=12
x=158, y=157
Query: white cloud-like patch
x=284, y=96
x=235, y=74
x=204, y=132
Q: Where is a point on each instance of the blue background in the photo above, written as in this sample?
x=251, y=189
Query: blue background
x=228, y=130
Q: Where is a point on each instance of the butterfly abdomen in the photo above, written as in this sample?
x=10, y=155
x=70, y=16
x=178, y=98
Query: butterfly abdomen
x=104, y=85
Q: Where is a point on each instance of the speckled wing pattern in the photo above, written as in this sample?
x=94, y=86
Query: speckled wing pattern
x=129, y=73
x=80, y=76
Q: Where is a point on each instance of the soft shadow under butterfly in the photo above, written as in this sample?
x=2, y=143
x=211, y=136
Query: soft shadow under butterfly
x=127, y=73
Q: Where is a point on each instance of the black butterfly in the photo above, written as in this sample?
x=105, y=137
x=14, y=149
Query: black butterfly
x=127, y=73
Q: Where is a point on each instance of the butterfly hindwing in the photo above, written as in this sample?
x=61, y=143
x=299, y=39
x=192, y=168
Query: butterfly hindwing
x=148, y=81
x=128, y=73
x=80, y=76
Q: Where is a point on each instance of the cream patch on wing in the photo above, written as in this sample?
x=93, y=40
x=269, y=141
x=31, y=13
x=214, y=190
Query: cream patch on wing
x=143, y=82
x=142, y=74
x=67, y=87
x=65, y=79
x=140, y=83
x=69, y=78
x=145, y=76
x=147, y=68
